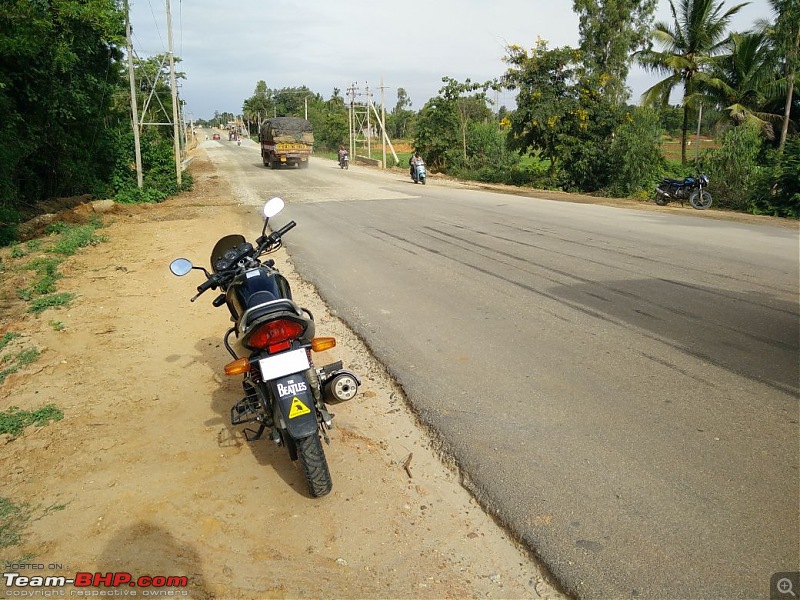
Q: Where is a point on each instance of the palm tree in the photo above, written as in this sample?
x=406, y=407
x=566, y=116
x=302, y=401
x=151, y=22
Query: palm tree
x=696, y=34
x=787, y=44
x=743, y=81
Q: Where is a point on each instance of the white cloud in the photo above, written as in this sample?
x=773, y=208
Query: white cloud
x=226, y=48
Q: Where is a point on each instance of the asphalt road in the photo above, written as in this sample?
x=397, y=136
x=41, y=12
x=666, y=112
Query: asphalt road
x=619, y=386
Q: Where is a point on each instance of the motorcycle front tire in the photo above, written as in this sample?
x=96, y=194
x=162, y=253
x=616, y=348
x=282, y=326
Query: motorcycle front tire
x=315, y=466
x=700, y=200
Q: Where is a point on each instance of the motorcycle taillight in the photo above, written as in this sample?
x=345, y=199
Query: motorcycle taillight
x=274, y=332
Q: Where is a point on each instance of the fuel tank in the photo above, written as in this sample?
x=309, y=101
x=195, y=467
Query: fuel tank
x=255, y=287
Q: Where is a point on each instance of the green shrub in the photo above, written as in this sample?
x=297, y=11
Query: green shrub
x=636, y=158
x=9, y=223
x=777, y=191
x=734, y=167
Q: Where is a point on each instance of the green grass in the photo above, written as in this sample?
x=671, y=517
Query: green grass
x=13, y=519
x=41, y=304
x=46, y=277
x=73, y=237
x=7, y=337
x=41, y=293
x=14, y=420
x=16, y=361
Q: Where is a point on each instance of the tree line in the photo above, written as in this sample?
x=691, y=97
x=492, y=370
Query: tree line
x=66, y=123
x=574, y=128
x=65, y=114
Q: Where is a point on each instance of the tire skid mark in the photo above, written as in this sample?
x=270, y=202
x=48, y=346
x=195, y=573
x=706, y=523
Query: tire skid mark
x=617, y=249
x=600, y=316
x=675, y=367
x=640, y=299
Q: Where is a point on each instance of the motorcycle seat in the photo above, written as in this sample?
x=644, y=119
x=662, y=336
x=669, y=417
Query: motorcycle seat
x=268, y=309
x=673, y=181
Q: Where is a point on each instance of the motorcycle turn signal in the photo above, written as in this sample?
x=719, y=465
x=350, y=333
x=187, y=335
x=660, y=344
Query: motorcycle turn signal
x=318, y=344
x=238, y=367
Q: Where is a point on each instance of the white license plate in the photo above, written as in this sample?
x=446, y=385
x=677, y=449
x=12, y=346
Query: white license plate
x=283, y=364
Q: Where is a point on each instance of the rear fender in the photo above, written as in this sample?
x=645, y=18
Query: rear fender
x=295, y=404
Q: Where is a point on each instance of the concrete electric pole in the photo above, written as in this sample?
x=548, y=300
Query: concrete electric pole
x=174, y=87
x=134, y=109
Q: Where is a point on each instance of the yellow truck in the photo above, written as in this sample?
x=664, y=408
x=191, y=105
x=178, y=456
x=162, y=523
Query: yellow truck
x=286, y=141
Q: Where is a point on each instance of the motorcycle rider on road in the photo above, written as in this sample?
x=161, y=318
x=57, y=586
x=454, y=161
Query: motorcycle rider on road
x=412, y=163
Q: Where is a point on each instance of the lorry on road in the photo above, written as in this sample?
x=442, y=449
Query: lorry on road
x=286, y=141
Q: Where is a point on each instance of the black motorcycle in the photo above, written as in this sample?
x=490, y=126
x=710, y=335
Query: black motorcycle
x=690, y=188
x=284, y=394
x=344, y=160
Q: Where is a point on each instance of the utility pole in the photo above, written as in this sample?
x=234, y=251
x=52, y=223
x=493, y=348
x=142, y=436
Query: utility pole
x=351, y=93
x=175, y=124
x=383, y=124
x=134, y=109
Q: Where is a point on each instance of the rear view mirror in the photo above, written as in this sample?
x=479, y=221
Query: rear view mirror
x=273, y=207
x=180, y=266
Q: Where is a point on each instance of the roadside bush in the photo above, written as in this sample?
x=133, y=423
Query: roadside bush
x=734, y=167
x=636, y=160
x=776, y=191
x=9, y=221
x=585, y=164
x=158, y=164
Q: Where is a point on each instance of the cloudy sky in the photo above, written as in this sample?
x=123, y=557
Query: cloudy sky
x=227, y=47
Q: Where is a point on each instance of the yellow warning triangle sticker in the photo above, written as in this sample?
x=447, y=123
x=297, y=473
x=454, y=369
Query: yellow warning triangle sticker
x=298, y=408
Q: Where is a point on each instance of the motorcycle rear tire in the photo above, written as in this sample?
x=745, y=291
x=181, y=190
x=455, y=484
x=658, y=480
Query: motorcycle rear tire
x=661, y=200
x=315, y=466
x=700, y=201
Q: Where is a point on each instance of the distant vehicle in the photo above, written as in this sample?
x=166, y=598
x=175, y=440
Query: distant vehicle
x=286, y=141
x=419, y=173
x=215, y=136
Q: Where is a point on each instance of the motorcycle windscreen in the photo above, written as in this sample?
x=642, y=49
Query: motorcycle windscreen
x=227, y=243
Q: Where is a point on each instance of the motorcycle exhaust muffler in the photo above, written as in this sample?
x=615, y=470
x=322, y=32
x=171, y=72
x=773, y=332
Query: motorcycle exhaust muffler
x=341, y=387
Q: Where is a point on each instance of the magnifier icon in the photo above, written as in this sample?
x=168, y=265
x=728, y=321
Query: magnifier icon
x=784, y=586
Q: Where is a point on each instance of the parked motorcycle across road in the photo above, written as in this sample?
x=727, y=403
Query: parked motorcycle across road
x=690, y=188
x=283, y=392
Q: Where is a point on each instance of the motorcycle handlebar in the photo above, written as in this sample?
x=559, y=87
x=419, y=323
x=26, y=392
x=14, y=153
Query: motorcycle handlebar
x=276, y=235
x=206, y=285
